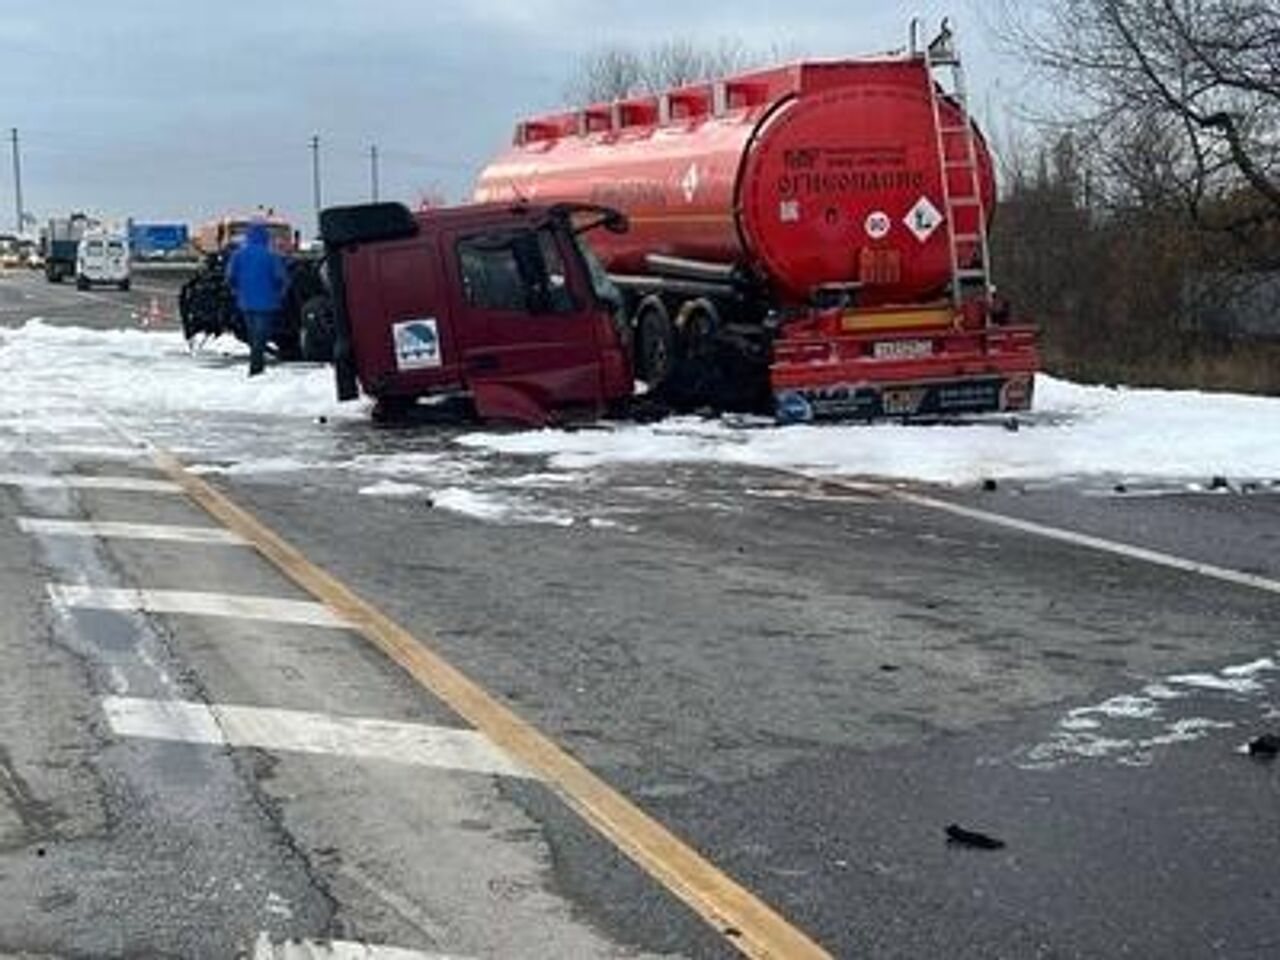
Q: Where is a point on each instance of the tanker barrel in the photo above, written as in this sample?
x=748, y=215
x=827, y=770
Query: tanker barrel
x=664, y=265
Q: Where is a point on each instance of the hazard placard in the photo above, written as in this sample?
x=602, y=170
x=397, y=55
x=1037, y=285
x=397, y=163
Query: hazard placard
x=923, y=219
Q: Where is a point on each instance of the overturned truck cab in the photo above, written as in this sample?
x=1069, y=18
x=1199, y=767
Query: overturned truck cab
x=500, y=305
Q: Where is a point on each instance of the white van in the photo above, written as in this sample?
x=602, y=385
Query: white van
x=102, y=257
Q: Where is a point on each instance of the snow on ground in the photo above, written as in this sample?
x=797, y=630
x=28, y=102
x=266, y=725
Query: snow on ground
x=43, y=367
x=1130, y=728
x=486, y=506
x=391, y=488
x=55, y=379
x=1074, y=432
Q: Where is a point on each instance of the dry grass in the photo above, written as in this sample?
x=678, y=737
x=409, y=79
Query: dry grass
x=1240, y=367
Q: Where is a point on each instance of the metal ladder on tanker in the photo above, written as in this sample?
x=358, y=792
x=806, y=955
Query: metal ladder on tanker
x=942, y=52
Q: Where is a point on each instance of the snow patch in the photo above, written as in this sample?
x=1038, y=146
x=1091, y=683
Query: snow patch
x=1219, y=682
x=390, y=488
x=495, y=509
x=1076, y=431
x=1112, y=729
x=256, y=466
x=126, y=371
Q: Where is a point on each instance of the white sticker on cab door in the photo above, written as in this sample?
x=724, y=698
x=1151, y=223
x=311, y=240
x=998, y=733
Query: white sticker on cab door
x=417, y=344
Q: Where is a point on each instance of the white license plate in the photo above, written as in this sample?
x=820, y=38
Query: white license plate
x=903, y=349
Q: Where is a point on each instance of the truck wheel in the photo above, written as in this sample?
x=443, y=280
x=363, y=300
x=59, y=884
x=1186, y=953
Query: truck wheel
x=288, y=346
x=317, y=332
x=82, y=283
x=698, y=323
x=655, y=345
x=124, y=285
x=392, y=410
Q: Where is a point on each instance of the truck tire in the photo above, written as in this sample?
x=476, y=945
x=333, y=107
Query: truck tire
x=655, y=345
x=82, y=283
x=392, y=410
x=317, y=330
x=124, y=285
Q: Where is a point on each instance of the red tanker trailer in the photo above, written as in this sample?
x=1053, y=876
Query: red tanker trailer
x=814, y=234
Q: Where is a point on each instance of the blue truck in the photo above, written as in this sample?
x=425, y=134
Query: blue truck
x=157, y=241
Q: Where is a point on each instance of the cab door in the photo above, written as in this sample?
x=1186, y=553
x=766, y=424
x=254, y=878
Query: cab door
x=532, y=333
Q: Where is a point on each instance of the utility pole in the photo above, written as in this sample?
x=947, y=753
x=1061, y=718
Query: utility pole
x=373, y=172
x=315, y=175
x=17, y=181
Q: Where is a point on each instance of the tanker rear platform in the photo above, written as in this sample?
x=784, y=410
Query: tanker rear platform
x=807, y=679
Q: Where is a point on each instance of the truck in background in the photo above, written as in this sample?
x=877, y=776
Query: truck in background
x=60, y=244
x=208, y=307
x=158, y=241
x=102, y=257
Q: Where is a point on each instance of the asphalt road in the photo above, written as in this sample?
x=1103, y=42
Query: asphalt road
x=806, y=682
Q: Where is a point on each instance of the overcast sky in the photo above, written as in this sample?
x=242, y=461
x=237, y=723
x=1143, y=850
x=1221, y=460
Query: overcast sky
x=172, y=109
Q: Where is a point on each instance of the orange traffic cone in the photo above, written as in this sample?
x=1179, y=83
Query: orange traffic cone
x=153, y=316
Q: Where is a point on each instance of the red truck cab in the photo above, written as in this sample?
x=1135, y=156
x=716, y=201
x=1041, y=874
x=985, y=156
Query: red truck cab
x=501, y=303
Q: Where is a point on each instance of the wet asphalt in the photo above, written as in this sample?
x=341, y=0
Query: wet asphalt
x=808, y=684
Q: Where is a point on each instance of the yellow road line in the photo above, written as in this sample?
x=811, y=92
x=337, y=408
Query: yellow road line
x=746, y=921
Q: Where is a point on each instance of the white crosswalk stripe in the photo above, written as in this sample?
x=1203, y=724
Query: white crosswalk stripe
x=264, y=949
x=128, y=531
x=265, y=728
x=243, y=606
x=72, y=481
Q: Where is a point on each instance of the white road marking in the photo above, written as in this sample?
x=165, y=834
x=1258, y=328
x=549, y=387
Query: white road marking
x=128, y=531
x=264, y=949
x=409, y=911
x=1237, y=577
x=266, y=728
x=72, y=481
x=243, y=606
x=80, y=451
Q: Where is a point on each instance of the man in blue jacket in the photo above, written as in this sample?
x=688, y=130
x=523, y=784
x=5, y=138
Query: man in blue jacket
x=258, y=276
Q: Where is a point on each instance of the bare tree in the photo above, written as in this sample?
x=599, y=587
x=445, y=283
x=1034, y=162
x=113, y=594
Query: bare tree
x=615, y=73
x=1178, y=100
x=610, y=73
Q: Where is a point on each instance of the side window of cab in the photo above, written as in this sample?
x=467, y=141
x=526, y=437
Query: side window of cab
x=519, y=271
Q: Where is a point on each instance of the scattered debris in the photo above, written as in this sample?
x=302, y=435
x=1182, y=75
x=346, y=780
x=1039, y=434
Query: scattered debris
x=1264, y=747
x=890, y=667
x=971, y=838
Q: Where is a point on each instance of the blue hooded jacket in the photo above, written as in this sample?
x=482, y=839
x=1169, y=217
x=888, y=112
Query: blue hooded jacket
x=257, y=273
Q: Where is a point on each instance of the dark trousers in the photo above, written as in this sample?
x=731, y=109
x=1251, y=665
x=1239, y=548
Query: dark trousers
x=260, y=324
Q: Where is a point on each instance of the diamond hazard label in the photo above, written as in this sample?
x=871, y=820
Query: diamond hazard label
x=922, y=219
x=689, y=183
